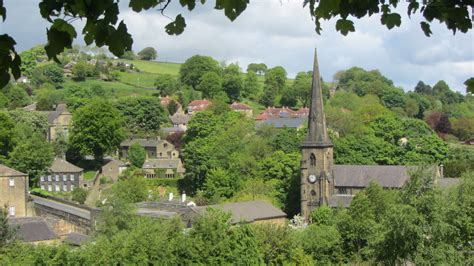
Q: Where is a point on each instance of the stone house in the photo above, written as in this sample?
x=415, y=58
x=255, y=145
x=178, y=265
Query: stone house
x=61, y=176
x=60, y=121
x=163, y=168
x=242, y=108
x=13, y=191
x=114, y=168
x=180, y=120
x=155, y=148
x=198, y=105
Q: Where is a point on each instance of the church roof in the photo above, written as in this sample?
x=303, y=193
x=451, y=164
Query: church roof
x=388, y=176
x=317, y=131
x=339, y=200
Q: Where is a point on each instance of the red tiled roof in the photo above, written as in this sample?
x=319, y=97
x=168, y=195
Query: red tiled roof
x=199, y=102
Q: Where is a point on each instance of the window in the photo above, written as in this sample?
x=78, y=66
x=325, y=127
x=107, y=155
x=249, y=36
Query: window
x=165, y=145
x=42, y=187
x=312, y=159
x=11, y=210
x=72, y=187
x=343, y=190
x=161, y=154
x=42, y=178
x=64, y=187
x=49, y=178
x=64, y=177
x=56, y=188
x=72, y=177
x=11, y=182
x=57, y=178
x=50, y=188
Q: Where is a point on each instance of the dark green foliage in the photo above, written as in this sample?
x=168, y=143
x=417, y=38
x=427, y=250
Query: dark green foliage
x=192, y=71
x=7, y=232
x=37, y=121
x=32, y=155
x=165, y=182
x=136, y=155
x=16, y=95
x=79, y=195
x=148, y=53
x=275, y=79
x=210, y=85
x=232, y=82
x=166, y=85
x=323, y=242
x=257, y=68
x=50, y=73
x=251, y=88
x=142, y=114
x=97, y=129
x=7, y=134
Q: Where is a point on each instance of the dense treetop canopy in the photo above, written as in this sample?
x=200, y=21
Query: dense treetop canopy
x=102, y=25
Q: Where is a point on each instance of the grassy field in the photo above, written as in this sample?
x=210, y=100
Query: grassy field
x=115, y=89
x=154, y=67
x=89, y=175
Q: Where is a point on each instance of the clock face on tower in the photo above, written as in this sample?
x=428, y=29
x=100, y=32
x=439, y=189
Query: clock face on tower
x=312, y=178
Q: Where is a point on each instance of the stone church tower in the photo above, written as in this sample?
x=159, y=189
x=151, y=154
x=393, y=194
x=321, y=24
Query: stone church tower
x=317, y=182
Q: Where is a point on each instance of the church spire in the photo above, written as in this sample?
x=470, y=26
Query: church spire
x=317, y=131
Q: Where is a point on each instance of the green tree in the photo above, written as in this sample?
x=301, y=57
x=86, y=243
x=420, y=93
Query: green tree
x=220, y=184
x=166, y=84
x=275, y=79
x=257, y=68
x=232, y=82
x=302, y=87
x=323, y=242
x=32, y=155
x=38, y=121
x=137, y=155
x=60, y=144
x=129, y=55
x=251, y=88
x=79, y=71
x=148, y=53
x=79, y=195
x=193, y=69
x=17, y=96
x=29, y=59
x=7, y=134
x=97, y=129
x=142, y=114
x=7, y=232
x=210, y=85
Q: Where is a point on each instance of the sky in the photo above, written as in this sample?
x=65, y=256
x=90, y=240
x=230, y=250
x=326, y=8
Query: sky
x=281, y=33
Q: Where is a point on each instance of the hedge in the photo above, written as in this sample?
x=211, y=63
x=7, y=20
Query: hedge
x=166, y=182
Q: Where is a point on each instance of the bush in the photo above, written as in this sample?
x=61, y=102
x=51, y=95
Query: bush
x=40, y=192
x=79, y=195
x=165, y=182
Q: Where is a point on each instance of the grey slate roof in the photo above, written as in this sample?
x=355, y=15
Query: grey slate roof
x=161, y=163
x=285, y=122
x=7, y=171
x=179, y=118
x=448, y=182
x=62, y=207
x=172, y=129
x=32, y=229
x=151, y=142
x=247, y=211
x=340, y=200
x=388, y=176
x=76, y=239
x=62, y=166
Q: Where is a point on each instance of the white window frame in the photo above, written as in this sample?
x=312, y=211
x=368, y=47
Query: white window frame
x=72, y=187
x=57, y=178
x=42, y=178
x=11, y=182
x=11, y=211
x=72, y=177
x=65, y=188
x=42, y=187
x=57, y=188
x=64, y=177
x=49, y=178
x=50, y=188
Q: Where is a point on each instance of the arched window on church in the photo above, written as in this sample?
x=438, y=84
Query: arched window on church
x=312, y=159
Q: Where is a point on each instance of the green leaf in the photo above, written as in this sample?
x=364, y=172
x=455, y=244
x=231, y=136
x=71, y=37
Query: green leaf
x=139, y=5
x=190, y=3
x=345, y=26
x=60, y=36
x=120, y=40
x=3, y=11
x=9, y=60
x=177, y=26
x=426, y=28
x=232, y=8
x=391, y=20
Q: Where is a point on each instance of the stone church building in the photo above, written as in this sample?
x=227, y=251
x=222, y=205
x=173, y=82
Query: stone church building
x=322, y=182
